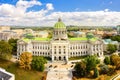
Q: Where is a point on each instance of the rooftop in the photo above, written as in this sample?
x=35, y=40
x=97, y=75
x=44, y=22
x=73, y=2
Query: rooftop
x=36, y=39
x=109, y=41
x=82, y=39
x=4, y=75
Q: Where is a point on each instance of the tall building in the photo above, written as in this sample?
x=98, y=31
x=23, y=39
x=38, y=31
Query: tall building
x=60, y=47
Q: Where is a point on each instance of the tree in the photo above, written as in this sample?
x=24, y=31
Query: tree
x=13, y=43
x=96, y=73
x=80, y=69
x=5, y=50
x=107, y=60
x=91, y=62
x=115, y=60
x=38, y=63
x=25, y=60
x=111, y=48
x=103, y=69
x=89, y=35
x=116, y=38
x=49, y=35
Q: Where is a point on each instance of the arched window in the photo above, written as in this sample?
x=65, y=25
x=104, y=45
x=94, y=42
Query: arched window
x=64, y=58
x=59, y=57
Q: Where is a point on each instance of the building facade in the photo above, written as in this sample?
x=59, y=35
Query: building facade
x=8, y=34
x=60, y=47
x=3, y=28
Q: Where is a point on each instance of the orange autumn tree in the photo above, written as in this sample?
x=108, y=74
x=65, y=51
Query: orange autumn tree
x=25, y=60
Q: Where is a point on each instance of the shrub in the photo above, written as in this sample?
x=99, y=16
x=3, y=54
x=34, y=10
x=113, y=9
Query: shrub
x=103, y=69
x=80, y=69
x=107, y=60
x=38, y=63
x=96, y=73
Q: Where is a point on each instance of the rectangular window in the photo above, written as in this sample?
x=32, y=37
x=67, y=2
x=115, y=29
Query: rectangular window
x=59, y=46
x=59, y=52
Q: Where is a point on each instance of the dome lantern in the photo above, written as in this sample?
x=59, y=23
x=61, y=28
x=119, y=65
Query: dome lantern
x=59, y=24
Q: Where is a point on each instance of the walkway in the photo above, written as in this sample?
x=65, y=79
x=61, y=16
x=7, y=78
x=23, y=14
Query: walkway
x=116, y=77
x=59, y=72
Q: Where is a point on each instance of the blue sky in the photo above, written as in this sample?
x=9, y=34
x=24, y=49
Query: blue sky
x=75, y=5
x=46, y=12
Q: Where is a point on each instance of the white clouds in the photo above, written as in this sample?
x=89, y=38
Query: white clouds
x=18, y=15
x=6, y=9
x=88, y=18
x=26, y=4
x=49, y=6
x=18, y=10
x=106, y=10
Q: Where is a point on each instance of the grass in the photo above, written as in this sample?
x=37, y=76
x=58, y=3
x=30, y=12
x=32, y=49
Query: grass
x=21, y=74
x=77, y=58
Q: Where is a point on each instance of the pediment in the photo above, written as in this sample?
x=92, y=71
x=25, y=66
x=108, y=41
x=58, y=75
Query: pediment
x=98, y=42
x=21, y=42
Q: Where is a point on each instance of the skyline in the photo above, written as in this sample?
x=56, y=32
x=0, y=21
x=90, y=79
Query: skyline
x=46, y=12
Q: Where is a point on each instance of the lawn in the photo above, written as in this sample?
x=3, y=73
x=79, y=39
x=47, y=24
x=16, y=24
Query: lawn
x=77, y=58
x=21, y=74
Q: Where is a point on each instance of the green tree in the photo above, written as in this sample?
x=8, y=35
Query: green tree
x=49, y=35
x=96, y=73
x=111, y=48
x=38, y=63
x=5, y=50
x=90, y=35
x=104, y=69
x=80, y=69
x=116, y=38
x=25, y=60
x=13, y=43
x=107, y=60
x=91, y=62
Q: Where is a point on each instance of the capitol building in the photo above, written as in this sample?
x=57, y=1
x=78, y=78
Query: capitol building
x=60, y=47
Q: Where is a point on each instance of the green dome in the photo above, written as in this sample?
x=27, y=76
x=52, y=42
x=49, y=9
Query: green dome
x=59, y=24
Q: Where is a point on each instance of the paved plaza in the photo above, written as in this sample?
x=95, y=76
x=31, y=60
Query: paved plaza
x=59, y=71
